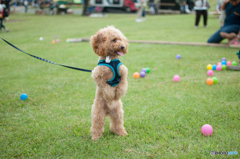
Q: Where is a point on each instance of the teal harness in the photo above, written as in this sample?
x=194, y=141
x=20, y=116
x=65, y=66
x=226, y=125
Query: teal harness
x=114, y=65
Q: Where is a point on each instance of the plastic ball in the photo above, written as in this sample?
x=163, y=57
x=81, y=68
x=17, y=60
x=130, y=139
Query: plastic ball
x=57, y=40
x=144, y=70
x=142, y=74
x=224, y=67
x=214, y=67
x=210, y=72
x=235, y=43
x=178, y=56
x=219, y=63
x=41, y=38
x=219, y=68
x=224, y=59
x=229, y=63
x=215, y=80
x=209, y=81
x=207, y=130
x=234, y=63
x=136, y=75
x=209, y=66
x=148, y=70
x=56, y=36
x=176, y=78
x=53, y=42
x=224, y=62
x=23, y=96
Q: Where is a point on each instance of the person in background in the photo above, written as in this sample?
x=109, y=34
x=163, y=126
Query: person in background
x=231, y=26
x=90, y=8
x=25, y=5
x=201, y=7
x=141, y=15
x=231, y=36
x=7, y=3
x=184, y=7
x=153, y=6
x=3, y=14
x=222, y=12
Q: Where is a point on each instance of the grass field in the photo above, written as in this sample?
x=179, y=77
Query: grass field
x=163, y=118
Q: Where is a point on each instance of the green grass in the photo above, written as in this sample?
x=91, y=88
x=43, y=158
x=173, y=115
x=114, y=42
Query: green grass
x=163, y=118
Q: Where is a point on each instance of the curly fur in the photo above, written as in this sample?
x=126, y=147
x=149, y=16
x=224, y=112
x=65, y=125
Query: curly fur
x=106, y=42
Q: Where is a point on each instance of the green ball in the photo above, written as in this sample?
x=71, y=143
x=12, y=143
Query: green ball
x=224, y=67
x=234, y=63
x=215, y=80
x=148, y=70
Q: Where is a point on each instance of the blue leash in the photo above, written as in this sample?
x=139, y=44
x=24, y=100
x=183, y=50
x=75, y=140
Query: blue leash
x=39, y=58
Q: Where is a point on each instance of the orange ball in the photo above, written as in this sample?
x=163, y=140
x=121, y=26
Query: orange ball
x=53, y=42
x=136, y=75
x=209, y=81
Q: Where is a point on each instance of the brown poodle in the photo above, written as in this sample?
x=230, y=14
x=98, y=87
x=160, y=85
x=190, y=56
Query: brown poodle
x=111, y=79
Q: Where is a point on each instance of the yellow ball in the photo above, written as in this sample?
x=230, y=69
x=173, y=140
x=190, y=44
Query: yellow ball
x=209, y=66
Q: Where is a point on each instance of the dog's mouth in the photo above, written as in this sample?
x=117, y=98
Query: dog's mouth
x=119, y=53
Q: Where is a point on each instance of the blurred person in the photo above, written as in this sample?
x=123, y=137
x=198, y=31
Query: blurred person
x=141, y=14
x=222, y=11
x=201, y=7
x=3, y=14
x=219, y=6
x=90, y=8
x=7, y=3
x=231, y=36
x=184, y=7
x=190, y=4
x=52, y=5
x=231, y=26
x=26, y=5
x=36, y=4
x=153, y=6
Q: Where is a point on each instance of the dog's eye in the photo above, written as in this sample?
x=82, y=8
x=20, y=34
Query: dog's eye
x=114, y=40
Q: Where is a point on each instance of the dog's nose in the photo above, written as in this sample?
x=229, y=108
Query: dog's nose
x=122, y=47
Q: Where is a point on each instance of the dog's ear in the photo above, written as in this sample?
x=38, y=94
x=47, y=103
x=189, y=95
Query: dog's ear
x=97, y=42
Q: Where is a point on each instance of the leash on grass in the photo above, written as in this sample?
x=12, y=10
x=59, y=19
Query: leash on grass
x=39, y=58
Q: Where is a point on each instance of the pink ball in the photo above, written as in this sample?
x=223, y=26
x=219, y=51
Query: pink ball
x=210, y=72
x=207, y=130
x=176, y=78
x=219, y=63
x=57, y=40
x=219, y=68
x=235, y=43
x=229, y=63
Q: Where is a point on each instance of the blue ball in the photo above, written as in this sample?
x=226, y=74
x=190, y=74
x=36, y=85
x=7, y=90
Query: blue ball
x=178, y=56
x=23, y=96
x=214, y=67
x=224, y=63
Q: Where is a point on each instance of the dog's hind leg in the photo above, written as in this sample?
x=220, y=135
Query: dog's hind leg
x=116, y=118
x=98, y=118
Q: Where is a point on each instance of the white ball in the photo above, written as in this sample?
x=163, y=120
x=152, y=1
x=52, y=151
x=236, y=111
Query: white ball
x=41, y=38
